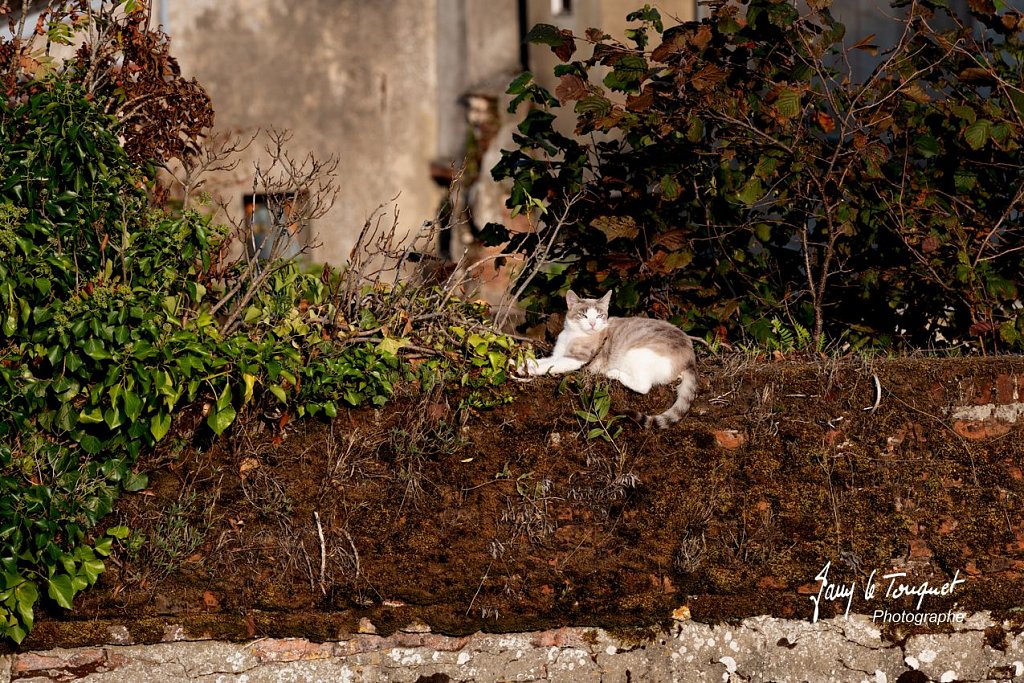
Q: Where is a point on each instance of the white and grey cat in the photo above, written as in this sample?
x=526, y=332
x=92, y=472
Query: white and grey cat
x=639, y=352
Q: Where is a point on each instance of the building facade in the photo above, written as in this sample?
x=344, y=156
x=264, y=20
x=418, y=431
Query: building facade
x=377, y=84
x=381, y=85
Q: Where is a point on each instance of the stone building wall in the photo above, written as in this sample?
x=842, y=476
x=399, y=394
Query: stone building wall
x=373, y=83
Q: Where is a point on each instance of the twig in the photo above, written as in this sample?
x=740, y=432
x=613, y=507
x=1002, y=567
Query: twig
x=355, y=553
x=480, y=587
x=323, y=553
x=309, y=565
x=878, y=395
x=539, y=261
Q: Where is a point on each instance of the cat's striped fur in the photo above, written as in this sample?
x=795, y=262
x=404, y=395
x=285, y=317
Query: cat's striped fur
x=638, y=352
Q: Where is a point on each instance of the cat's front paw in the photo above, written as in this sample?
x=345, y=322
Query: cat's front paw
x=528, y=368
x=522, y=371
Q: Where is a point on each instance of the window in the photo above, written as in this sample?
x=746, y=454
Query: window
x=275, y=226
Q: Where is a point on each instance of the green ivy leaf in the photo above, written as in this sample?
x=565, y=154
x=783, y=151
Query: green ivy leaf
x=219, y=420
x=250, y=382
x=391, y=345
x=627, y=73
x=670, y=188
x=159, y=425
x=67, y=417
x=90, y=444
x=113, y=417
x=278, y=391
x=519, y=83
x=16, y=633
x=120, y=532
x=694, y=130
x=135, y=481
x=94, y=349
x=545, y=34
x=61, y=590
x=26, y=595
x=224, y=400
x=132, y=405
x=104, y=546
x=92, y=570
x=597, y=106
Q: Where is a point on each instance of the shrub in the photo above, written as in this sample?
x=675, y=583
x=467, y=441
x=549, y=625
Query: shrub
x=727, y=172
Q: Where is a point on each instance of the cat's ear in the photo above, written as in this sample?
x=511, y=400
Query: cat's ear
x=606, y=299
x=571, y=299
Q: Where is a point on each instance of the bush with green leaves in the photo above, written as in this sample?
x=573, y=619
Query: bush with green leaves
x=112, y=326
x=729, y=172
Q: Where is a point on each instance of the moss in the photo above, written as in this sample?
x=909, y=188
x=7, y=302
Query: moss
x=456, y=555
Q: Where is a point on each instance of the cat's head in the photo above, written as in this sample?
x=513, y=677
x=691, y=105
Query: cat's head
x=587, y=315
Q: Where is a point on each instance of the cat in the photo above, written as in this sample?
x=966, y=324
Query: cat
x=638, y=352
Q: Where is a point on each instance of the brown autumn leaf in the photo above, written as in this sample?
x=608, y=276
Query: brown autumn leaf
x=874, y=156
x=1012, y=20
x=826, y=122
x=640, y=102
x=612, y=119
x=615, y=227
x=656, y=264
x=975, y=74
x=917, y=93
x=866, y=43
x=986, y=7
x=568, y=46
x=664, y=262
x=622, y=264
x=570, y=87
x=247, y=465
x=250, y=625
x=981, y=327
x=708, y=78
x=210, y=600
x=672, y=240
x=670, y=46
x=701, y=39
x=929, y=244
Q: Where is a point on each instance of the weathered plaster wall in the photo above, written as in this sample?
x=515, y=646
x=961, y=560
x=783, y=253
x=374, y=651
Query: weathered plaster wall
x=348, y=78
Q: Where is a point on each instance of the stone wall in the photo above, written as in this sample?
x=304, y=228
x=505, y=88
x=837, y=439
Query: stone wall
x=757, y=649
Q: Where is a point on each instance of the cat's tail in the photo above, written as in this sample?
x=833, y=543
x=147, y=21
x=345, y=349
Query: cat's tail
x=685, y=393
